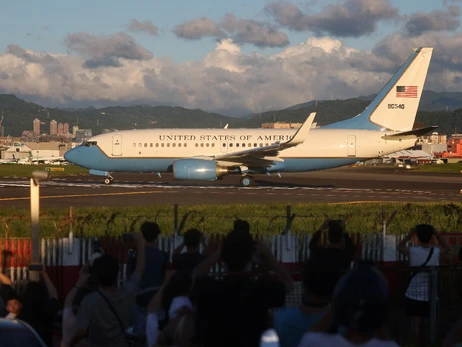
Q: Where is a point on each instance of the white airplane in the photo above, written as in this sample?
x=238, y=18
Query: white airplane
x=384, y=127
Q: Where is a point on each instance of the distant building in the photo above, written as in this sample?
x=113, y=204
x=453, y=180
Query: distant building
x=36, y=126
x=66, y=128
x=60, y=128
x=74, y=130
x=53, y=127
x=279, y=125
x=82, y=135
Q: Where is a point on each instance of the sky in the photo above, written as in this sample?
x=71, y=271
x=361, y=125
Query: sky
x=234, y=58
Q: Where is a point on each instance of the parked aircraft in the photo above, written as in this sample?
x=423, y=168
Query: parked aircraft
x=384, y=127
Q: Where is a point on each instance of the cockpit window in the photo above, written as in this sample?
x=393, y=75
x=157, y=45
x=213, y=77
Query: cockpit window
x=89, y=143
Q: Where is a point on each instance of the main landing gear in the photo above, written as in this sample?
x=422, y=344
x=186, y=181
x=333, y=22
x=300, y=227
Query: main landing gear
x=247, y=181
x=108, y=180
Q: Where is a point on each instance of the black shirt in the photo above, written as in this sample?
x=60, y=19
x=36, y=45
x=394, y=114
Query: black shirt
x=187, y=261
x=335, y=259
x=234, y=311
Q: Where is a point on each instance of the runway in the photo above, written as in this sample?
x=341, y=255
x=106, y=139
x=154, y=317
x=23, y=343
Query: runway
x=350, y=184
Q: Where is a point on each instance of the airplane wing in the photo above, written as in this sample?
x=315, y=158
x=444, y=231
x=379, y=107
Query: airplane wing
x=267, y=155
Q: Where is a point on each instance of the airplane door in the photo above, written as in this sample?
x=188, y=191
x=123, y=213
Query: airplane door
x=117, y=145
x=224, y=147
x=351, y=145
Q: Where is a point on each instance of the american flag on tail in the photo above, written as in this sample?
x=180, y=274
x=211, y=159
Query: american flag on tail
x=406, y=91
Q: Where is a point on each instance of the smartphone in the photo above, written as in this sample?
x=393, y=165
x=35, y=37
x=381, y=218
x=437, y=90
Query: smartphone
x=128, y=237
x=35, y=267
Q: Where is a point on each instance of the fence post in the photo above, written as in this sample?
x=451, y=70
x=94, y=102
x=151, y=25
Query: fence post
x=433, y=302
x=175, y=218
x=71, y=231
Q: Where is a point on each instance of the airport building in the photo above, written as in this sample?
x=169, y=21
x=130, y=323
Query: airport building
x=280, y=125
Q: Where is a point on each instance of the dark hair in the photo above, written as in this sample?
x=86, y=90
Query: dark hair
x=360, y=299
x=237, y=250
x=150, y=231
x=192, y=237
x=105, y=269
x=241, y=225
x=14, y=296
x=424, y=232
x=35, y=300
x=320, y=282
x=335, y=232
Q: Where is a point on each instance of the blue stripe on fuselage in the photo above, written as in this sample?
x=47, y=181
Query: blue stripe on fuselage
x=93, y=158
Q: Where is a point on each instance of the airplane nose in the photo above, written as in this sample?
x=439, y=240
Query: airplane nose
x=70, y=155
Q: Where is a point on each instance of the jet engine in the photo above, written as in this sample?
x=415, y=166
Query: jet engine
x=198, y=169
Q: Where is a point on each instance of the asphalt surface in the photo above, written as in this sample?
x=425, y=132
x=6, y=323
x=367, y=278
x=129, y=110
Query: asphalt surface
x=350, y=184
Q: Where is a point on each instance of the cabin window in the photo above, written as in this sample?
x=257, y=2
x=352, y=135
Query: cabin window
x=230, y=145
x=197, y=145
x=261, y=144
x=202, y=145
x=179, y=145
x=266, y=144
x=157, y=145
x=162, y=145
x=185, y=145
x=243, y=145
x=134, y=145
x=140, y=145
x=224, y=144
x=206, y=145
x=213, y=145
x=145, y=145
x=173, y=144
x=168, y=144
x=255, y=145
x=150, y=145
x=250, y=145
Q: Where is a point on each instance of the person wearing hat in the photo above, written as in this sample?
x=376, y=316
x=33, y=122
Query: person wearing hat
x=358, y=310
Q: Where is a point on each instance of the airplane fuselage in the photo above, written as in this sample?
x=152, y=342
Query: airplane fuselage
x=155, y=150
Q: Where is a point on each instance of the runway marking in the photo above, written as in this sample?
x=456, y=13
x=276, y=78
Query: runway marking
x=77, y=195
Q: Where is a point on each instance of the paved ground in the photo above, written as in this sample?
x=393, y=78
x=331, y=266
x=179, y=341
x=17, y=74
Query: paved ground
x=351, y=184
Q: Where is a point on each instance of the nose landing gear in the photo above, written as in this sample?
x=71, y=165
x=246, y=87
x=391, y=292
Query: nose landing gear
x=108, y=180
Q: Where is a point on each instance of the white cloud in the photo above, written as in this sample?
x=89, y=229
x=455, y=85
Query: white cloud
x=227, y=80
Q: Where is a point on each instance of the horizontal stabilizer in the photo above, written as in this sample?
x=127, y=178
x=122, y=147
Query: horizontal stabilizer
x=409, y=134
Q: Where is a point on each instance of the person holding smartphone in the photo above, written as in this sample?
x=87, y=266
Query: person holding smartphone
x=418, y=291
x=339, y=252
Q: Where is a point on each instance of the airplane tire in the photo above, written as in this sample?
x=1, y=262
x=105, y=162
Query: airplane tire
x=107, y=181
x=247, y=181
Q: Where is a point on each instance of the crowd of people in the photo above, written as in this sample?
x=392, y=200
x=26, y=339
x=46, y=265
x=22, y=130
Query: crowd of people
x=344, y=302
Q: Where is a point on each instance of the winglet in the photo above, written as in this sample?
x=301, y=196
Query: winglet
x=302, y=133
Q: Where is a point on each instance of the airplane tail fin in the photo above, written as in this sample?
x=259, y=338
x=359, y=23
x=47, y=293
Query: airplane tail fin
x=395, y=106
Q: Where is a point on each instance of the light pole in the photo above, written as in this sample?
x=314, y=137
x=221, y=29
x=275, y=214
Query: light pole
x=34, y=216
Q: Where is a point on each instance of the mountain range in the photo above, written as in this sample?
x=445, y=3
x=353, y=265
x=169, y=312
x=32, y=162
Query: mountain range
x=436, y=108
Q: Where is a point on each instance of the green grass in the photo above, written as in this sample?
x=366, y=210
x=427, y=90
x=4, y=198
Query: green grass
x=15, y=170
x=265, y=219
x=438, y=168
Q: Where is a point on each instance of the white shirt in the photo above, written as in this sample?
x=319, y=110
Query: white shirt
x=69, y=328
x=419, y=287
x=328, y=340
